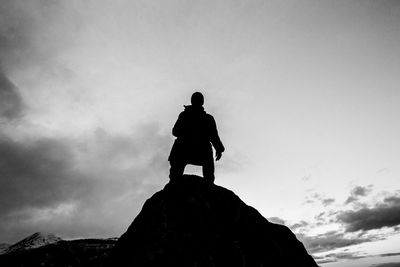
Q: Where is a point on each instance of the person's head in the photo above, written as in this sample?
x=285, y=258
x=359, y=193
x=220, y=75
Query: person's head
x=197, y=99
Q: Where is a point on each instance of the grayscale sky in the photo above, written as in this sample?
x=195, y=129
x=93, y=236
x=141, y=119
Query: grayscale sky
x=305, y=95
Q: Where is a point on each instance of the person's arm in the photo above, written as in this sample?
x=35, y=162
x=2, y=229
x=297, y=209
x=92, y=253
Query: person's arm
x=178, y=127
x=215, y=140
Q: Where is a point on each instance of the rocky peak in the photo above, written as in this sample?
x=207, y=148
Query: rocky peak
x=3, y=247
x=33, y=241
x=194, y=223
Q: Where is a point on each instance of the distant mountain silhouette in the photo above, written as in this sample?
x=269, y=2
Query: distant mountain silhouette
x=3, y=247
x=33, y=241
x=191, y=222
x=46, y=250
x=194, y=223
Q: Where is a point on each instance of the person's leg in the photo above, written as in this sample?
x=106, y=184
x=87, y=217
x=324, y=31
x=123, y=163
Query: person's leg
x=176, y=170
x=208, y=170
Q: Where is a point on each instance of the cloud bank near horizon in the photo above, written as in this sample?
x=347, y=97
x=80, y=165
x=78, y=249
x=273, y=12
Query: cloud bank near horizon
x=370, y=216
x=66, y=186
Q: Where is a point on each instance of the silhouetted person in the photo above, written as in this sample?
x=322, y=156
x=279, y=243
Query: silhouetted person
x=195, y=131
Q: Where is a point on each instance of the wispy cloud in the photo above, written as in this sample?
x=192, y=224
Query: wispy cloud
x=11, y=104
x=391, y=264
x=357, y=192
x=389, y=254
x=330, y=240
x=328, y=201
x=276, y=220
x=319, y=198
x=298, y=226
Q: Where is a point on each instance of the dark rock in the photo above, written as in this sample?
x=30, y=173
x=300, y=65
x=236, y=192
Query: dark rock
x=193, y=223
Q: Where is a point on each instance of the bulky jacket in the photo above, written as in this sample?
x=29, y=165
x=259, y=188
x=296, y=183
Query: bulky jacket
x=195, y=131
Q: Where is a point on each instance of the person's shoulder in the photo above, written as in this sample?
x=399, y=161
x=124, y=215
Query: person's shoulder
x=209, y=116
x=183, y=112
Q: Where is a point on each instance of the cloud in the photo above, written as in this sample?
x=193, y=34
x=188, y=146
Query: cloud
x=35, y=174
x=11, y=104
x=299, y=225
x=319, y=198
x=357, y=192
x=32, y=32
x=391, y=264
x=327, y=201
x=276, y=220
x=360, y=191
x=351, y=199
x=329, y=241
x=386, y=214
x=306, y=177
x=389, y=254
x=392, y=200
x=91, y=186
x=334, y=257
x=309, y=201
x=353, y=224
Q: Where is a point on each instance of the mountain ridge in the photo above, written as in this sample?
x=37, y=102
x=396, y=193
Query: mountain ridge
x=90, y=252
x=3, y=247
x=35, y=240
x=190, y=222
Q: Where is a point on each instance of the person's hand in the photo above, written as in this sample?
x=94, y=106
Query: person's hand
x=218, y=155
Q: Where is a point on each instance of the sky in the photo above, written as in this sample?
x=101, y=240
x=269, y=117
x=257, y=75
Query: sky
x=305, y=95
